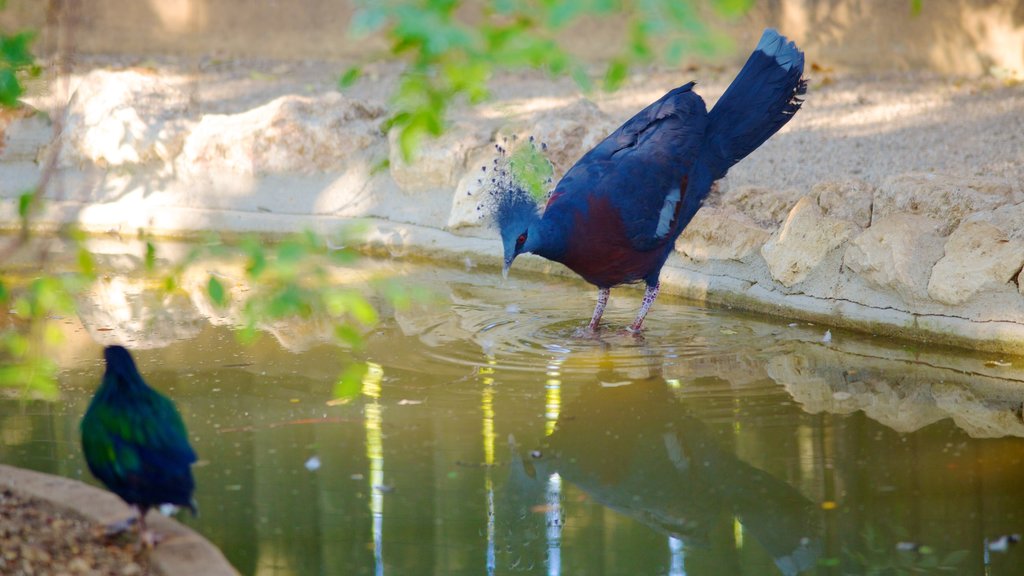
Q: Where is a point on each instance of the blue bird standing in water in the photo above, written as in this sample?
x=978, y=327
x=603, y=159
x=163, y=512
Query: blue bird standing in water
x=135, y=442
x=615, y=215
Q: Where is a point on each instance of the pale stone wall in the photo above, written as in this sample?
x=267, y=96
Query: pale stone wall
x=950, y=36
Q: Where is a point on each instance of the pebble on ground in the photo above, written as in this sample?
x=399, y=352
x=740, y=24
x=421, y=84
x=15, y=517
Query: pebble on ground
x=39, y=539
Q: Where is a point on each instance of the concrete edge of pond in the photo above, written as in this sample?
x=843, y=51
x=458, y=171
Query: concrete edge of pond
x=182, y=551
x=413, y=240
x=1005, y=337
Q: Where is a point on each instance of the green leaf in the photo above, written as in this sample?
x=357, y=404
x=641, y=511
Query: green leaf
x=10, y=88
x=150, y=256
x=734, y=8
x=616, y=74
x=216, y=291
x=257, y=257
x=380, y=166
x=349, y=77
x=290, y=253
x=582, y=79
x=25, y=201
x=247, y=334
x=348, y=335
x=916, y=6
x=350, y=383
x=14, y=50
x=290, y=301
x=86, y=262
x=348, y=302
x=409, y=139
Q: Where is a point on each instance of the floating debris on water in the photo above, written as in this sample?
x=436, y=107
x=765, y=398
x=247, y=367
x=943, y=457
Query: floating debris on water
x=1003, y=543
x=313, y=464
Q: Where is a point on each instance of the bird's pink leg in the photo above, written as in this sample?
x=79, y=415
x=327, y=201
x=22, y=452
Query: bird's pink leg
x=149, y=539
x=649, y=296
x=602, y=301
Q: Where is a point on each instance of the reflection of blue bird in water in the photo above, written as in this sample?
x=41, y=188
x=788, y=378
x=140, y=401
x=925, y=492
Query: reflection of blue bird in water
x=524, y=501
x=666, y=470
x=135, y=442
x=615, y=215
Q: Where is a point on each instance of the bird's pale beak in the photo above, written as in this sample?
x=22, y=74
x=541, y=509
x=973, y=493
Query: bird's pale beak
x=504, y=269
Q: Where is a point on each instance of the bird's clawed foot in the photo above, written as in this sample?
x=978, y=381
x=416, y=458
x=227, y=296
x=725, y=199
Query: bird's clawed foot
x=150, y=539
x=587, y=333
x=637, y=332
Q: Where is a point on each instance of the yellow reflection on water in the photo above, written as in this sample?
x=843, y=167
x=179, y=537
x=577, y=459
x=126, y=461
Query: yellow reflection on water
x=487, y=408
x=373, y=420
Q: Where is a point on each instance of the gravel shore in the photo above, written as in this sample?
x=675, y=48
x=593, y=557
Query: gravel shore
x=39, y=539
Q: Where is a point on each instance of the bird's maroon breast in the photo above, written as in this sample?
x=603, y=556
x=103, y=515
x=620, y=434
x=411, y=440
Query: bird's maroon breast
x=599, y=249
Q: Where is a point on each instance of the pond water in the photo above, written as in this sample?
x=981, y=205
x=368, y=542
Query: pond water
x=487, y=439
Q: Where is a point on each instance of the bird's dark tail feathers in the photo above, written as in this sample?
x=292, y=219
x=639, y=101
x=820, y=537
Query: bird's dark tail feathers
x=763, y=97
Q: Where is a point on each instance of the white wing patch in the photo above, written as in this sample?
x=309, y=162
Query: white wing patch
x=668, y=212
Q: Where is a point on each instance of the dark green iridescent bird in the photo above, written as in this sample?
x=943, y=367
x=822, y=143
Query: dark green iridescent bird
x=135, y=442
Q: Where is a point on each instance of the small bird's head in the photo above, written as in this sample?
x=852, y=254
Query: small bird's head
x=119, y=360
x=515, y=188
x=515, y=213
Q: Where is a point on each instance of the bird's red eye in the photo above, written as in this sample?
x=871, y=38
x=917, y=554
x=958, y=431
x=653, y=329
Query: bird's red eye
x=521, y=240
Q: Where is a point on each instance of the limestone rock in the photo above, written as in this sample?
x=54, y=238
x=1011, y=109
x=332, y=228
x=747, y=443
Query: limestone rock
x=946, y=198
x=125, y=117
x=439, y=162
x=766, y=206
x=23, y=131
x=803, y=241
x=1009, y=219
x=293, y=333
x=847, y=199
x=469, y=205
x=721, y=234
x=897, y=253
x=121, y=310
x=981, y=417
x=978, y=257
x=568, y=132
x=817, y=389
x=297, y=134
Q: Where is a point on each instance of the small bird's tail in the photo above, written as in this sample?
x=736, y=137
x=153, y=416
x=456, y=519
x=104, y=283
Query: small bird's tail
x=763, y=97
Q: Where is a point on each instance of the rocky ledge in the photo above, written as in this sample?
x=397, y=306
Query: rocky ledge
x=893, y=205
x=61, y=532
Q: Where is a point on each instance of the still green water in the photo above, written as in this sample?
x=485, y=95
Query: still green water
x=487, y=439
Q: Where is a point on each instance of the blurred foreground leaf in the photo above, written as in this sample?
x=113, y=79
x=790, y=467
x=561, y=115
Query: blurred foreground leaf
x=453, y=47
